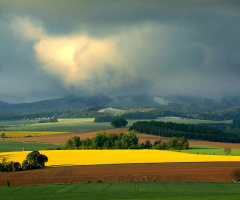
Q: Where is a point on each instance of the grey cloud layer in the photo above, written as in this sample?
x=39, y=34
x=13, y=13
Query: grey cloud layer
x=162, y=47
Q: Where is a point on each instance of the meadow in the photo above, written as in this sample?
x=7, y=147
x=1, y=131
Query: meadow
x=130, y=190
x=102, y=157
x=22, y=134
x=7, y=146
x=64, y=125
x=87, y=124
x=18, y=122
x=210, y=150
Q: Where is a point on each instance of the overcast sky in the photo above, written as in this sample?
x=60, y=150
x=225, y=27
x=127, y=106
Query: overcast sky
x=53, y=48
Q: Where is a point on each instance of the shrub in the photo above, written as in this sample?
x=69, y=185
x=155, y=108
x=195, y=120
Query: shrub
x=9, y=166
x=34, y=160
x=227, y=150
x=147, y=144
x=236, y=174
x=117, y=123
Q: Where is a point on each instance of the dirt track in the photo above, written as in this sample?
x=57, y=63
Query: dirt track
x=62, y=138
x=200, y=172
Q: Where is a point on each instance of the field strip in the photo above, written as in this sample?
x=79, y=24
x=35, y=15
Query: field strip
x=28, y=134
x=193, y=172
x=99, y=157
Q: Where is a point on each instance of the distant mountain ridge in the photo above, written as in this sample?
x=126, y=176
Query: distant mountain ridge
x=118, y=102
x=2, y=103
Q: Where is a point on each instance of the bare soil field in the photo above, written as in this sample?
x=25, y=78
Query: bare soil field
x=192, y=172
x=62, y=138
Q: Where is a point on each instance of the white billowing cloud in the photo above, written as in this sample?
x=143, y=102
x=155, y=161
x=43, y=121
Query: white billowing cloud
x=81, y=61
x=146, y=57
x=27, y=29
x=78, y=61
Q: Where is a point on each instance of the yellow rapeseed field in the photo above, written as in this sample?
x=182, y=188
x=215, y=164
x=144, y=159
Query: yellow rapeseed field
x=97, y=157
x=21, y=134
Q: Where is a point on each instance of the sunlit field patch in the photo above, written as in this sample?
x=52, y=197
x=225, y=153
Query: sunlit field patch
x=98, y=157
x=21, y=134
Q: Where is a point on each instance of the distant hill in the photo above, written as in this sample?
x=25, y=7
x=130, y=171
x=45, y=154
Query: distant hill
x=2, y=103
x=65, y=103
x=95, y=103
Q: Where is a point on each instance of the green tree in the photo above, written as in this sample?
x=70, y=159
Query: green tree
x=172, y=143
x=147, y=144
x=69, y=144
x=129, y=138
x=73, y=142
x=100, y=139
x=3, y=136
x=42, y=159
x=86, y=142
x=9, y=166
x=227, y=150
x=34, y=160
x=117, y=123
x=76, y=141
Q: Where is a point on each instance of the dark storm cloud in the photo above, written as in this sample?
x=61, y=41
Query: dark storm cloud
x=160, y=46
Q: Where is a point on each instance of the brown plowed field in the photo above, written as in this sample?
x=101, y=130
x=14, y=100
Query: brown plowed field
x=200, y=172
x=62, y=138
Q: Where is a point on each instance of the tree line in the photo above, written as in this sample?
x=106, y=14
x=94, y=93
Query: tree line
x=34, y=160
x=170, y=129
x=127, y=140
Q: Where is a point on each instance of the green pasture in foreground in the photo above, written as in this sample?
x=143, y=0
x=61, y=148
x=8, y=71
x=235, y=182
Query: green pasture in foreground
x=211, y=150
x=87, y=124
x=6, y=146
x=117, y=191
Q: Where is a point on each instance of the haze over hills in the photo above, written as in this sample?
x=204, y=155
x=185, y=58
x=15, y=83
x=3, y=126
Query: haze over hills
x=128, y=101
x=3, y=103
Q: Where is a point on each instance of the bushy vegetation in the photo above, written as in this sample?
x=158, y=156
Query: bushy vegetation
x=236, y=174
x=34, y=160
x=9, y=166
x=127, y=140
x=104, y=140
x=227, y=150
x=170, y=129
x=117, y=123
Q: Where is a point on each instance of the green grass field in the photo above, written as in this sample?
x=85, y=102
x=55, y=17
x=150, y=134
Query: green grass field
x=211, y=150
x=18, y=122
x=87, y=124
x=65, y=125
x=117, y=191
x=7, y=146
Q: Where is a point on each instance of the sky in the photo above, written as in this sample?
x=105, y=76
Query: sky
x=54, y=48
